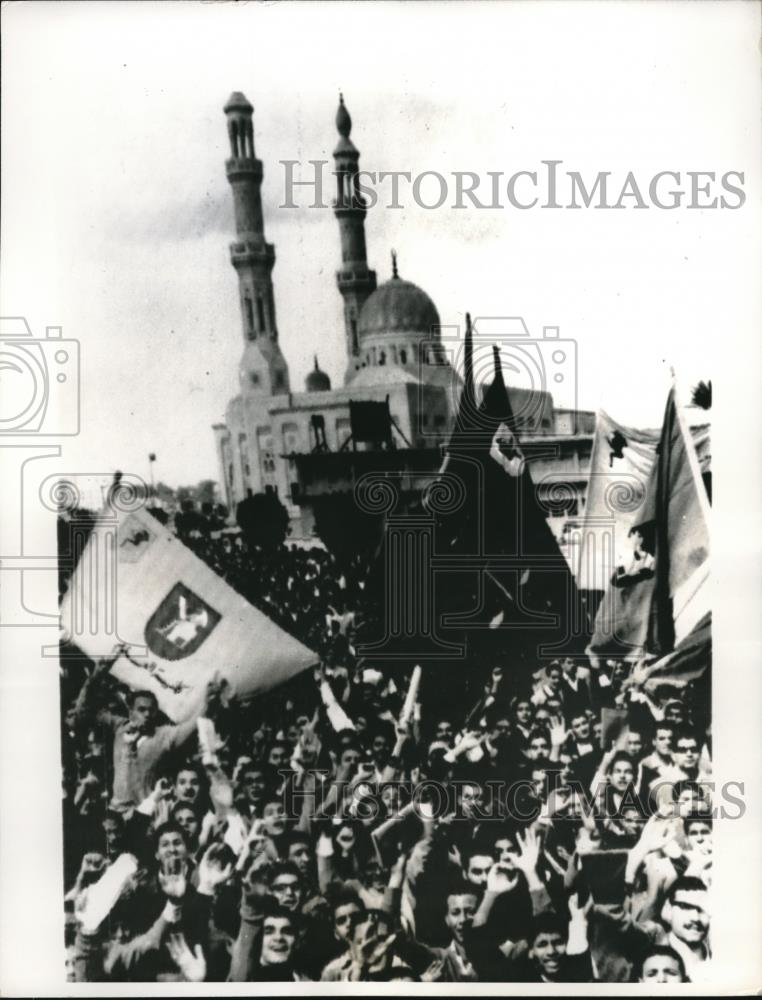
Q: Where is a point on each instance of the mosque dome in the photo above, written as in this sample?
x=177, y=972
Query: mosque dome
x=398, y=307
x=317, y=380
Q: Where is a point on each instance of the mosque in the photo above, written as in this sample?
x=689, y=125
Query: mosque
x=304, y=445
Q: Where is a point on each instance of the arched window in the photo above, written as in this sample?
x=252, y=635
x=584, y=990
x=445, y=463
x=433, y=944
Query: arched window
x=403, y=356
x=261, y=314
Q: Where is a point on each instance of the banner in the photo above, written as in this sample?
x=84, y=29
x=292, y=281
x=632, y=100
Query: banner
x=659, y=594
x=620, y=467
x=181, y=622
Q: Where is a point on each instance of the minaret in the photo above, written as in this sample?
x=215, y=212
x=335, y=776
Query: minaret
x=263, y=367
x=355, y=280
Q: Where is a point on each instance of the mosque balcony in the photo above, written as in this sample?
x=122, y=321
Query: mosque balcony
x=244, y=166
x=354, y=278
x=251, y=252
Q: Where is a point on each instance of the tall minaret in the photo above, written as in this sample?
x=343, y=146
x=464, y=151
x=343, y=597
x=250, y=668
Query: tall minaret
x=355, y=280
x=263, y=367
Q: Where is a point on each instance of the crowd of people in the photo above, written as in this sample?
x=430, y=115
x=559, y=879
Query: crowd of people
x=555, y=828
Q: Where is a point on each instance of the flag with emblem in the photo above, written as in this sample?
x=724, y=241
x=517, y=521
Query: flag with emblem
x=137, y=584
x=658, y=594
x=516, y=595
x=620, y=467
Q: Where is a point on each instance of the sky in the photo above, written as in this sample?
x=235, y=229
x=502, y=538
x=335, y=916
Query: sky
x=117, y=214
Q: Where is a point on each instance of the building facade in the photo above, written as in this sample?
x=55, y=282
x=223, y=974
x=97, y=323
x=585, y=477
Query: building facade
x=394, y=351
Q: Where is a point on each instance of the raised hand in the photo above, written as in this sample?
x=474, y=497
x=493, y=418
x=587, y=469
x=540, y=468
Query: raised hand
x=529, y=852
x=498, y=880
x=557, y=731
x=173, y=885
x=192, y=964
x=211, y=870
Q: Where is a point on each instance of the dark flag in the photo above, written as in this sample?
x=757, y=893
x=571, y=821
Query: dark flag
x=474, y=576
x=659, y=596
x=508, y=586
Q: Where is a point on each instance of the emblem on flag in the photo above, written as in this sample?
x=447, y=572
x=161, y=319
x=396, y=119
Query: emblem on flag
x=180, y=624
x=505, y=451
x=134, y=539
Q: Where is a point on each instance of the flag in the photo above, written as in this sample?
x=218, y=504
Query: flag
x=136, y=583
x=688, y=661
x=484, y=577
x=659, y=594
x=517, y=596
x=620, y=468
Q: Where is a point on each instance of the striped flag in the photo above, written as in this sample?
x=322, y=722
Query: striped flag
x=137, y=584
x=659, y=595
x=620, y=468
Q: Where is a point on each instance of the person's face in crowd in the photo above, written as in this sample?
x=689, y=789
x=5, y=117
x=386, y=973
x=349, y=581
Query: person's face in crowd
x=299, y=854
x=699, y=835
x=278, y=940
x=292, y=734
x=471, y=800
x=143, y=714
x=361, y=724
x=662, y=742
x=374, y=876
x=302, y=722
x=686, y=754
x=621, y=776
x=634, y=744
x=277, y=757
x=506, y=853
x=253, y=783
x=478, y=869
x=580, y=725
x=674, y=713
x=345, y=919
x=112, y=836
x=390, y=798
x=661, y=969
x=371, y=929
x=539, y=748
x=502, y=728
x=71, y=964
x=523, y=713
x=630, y=822
x=444, y=731
x=460, y=915
x=274, y=819
x=542, y=717
x=597, y=731
x=171, y=850
x=549, y=949
x=537, y=779
x=688, y=916
x=187, y=786
x=349, y=758
x=287, y=890
x=345, y=838
x=381, y=749
x=569, y=667
x=554, y=678
x=690, y=800
x=186, y=819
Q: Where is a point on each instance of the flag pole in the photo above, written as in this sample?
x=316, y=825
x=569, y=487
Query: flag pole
x=690, y=451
